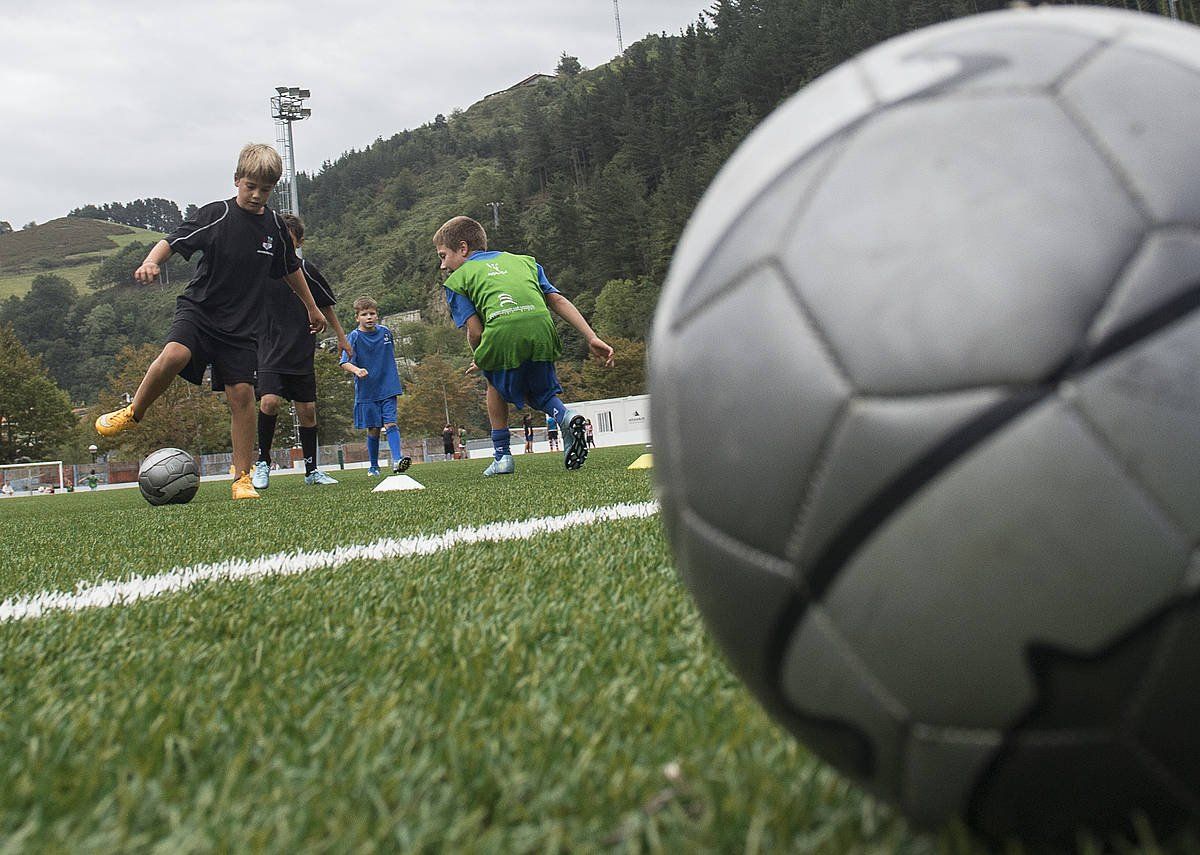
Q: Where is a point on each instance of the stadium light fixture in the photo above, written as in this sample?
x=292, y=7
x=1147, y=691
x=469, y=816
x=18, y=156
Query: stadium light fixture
x=287, y=106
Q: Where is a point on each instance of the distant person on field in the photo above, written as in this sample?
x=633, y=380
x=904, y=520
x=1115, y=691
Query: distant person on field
x=92, y=480
x=286, y=347
x=462, y=441
x=505, y=302
x=448, y=440
x=243, y=244
x=552, y=432
x=527, y=424
x=376, y=384
x=591, y=438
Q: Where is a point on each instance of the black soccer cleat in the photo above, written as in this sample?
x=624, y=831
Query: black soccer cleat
x=401, y=465
x=575, y=449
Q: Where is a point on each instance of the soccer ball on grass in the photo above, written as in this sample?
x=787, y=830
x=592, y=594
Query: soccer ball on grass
x=169, y=476
x=937, y=323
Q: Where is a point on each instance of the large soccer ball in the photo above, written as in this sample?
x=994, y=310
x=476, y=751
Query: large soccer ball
x=169, y=476
x=926, y=375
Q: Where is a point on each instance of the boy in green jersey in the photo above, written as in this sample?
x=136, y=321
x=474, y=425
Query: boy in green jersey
x=505, y=301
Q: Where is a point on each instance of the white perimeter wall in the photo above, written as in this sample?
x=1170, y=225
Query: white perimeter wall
x=629, y=419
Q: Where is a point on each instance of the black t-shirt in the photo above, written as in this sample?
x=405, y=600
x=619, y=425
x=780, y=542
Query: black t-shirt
x=240, y=252
x=285, y=346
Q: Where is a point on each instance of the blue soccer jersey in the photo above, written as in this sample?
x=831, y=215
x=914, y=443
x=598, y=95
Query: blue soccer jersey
x=375, y=352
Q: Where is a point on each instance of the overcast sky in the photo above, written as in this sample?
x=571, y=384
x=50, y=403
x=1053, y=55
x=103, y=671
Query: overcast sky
x=114, y=101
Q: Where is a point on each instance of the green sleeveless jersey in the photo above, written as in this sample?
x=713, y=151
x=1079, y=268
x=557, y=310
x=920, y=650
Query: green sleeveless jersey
x=517, y=326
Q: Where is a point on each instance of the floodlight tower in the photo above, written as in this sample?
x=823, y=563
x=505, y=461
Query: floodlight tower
x=617, y=18
x=287, y=106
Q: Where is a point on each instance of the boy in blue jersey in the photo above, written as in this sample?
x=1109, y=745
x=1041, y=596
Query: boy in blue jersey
x=376, y=383
x=505, y=301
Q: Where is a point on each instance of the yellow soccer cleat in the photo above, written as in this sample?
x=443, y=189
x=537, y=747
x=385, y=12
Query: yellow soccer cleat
x=243, y=489
x=111, y=424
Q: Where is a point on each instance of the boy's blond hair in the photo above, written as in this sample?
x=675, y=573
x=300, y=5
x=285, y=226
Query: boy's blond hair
x=459, y=229
x=365, y=303
x=260, y=162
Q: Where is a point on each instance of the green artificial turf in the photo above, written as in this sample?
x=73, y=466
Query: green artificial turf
x=553, y=694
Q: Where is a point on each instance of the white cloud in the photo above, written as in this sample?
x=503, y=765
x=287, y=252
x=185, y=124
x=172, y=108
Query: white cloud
x=121, y=100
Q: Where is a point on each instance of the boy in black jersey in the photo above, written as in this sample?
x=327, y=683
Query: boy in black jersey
x=285, y=363
x=243, y=243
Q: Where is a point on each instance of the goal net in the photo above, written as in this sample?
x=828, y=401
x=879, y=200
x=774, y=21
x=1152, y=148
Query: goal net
x=24, y=479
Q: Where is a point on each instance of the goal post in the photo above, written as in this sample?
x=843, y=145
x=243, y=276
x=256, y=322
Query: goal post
x=30, y=478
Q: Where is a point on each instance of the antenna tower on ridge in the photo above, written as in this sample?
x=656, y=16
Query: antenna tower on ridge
x=617, y=18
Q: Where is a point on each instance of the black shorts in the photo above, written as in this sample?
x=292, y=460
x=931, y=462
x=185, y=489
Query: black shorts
x=293, y=387
x=234, y=359
x=551, y=434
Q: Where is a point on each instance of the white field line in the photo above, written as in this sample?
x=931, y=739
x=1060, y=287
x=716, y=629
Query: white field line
x=94, y=595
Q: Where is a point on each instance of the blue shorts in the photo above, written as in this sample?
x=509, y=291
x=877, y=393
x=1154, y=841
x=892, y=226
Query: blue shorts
x=534, y=383
x=373, y=414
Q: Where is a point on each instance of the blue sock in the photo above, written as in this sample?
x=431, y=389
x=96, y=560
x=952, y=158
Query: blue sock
x=373, y=450
x=393, y=435
x=500, y=440
x=558, y=409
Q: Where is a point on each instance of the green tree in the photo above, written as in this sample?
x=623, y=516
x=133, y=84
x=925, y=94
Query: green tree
x=418, y=340
x=35, y=415
x=117, y=269
x=335, y=399
x=627, y=376
x=41, y=320
x=624, y=308
x=568, y=66
x=160, y=215
x=440, y=384
x=616, y=219
x=42, y=314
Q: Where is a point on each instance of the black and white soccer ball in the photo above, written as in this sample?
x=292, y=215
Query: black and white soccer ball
x=169, y=476
x=926, y=374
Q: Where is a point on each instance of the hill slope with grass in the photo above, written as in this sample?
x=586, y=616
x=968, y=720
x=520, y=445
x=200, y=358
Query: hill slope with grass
x=70, y=247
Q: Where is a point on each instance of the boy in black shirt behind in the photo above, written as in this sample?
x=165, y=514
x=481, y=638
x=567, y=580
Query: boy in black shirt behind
x=243, y=243
x=285, y=363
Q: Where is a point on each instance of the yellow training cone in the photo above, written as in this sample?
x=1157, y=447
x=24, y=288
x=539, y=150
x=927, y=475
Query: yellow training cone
x=646, y=461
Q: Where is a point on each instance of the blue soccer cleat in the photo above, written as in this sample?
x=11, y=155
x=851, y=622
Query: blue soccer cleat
x=503, y=466
x=373, y=472
x=575, y=449
x=318, y=477
x=261, y=479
